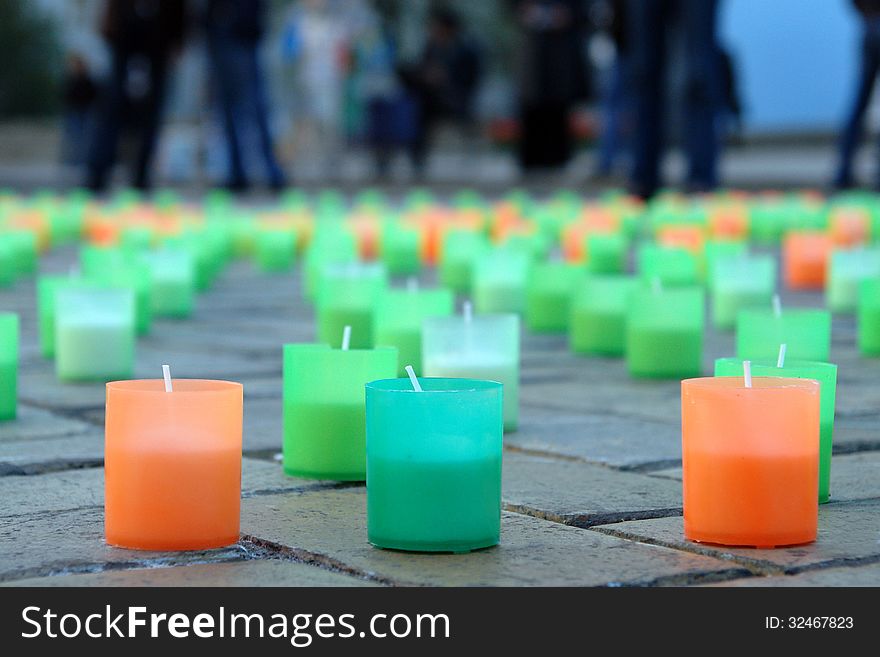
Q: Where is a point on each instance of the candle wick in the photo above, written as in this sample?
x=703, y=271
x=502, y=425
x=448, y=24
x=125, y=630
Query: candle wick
x=166, y=374
x=780, y=361
x=413, y=379
x=747, y=373
x=468, y=311
x=346, y=338
x=777, y=306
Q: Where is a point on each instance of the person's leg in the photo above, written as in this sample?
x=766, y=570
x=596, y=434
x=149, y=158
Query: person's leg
x=260, y=106
x=852, y=130
x=646, y=27
x=227, y=85
x=104, y=132
x=609, y=139
x=702, y=93
x=153, y=106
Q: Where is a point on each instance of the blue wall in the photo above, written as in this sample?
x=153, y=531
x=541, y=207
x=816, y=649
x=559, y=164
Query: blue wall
x=796, y=61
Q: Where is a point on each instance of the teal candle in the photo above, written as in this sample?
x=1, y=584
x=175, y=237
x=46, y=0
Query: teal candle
x=9, y=338
x=135, y=276
x=550, y=288
x=485, y=347
x=825, y=374
x=324, y=430
x=500, y=281
x=806, y=332
x=399, y=318
x=869, y=317
x=672, y=266
x=94, y=334
x=664, y=333
x=598, y=315
x=846, y=271
x=347, y=296
x=738, y=283
x=434, y=464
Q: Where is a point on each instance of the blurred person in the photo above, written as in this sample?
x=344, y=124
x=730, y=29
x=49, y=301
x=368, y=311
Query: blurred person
x=650, y=22
x=614, y=97
x=552, y=78
x=79, y=93
x=234, y=29
x=869, y=13
x=731, y=111
x=443, y=81
x=143, y=36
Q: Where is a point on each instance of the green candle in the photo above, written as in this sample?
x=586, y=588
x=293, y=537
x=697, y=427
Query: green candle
x=548, y=296
x=806, y=332
x=741, y=282
x=716, y=252
x=671, y=266
x=846, y=270
x=324, y=434
x=869, y=317
x=824, y=373
x=347, y=296
x=399, y=248
x=172, y=282
x=9, y=337
x=274, y=249
x=598, y=315
x=8, y=268
x=330, y=246
x=664, y=332
x=500, y=280
x=606, y=253
x=399, y=318
x=132, y=274
x=434, y=464
x=461, y=251
x=46, y=288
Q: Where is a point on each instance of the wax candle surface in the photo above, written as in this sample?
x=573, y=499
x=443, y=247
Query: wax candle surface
x=399, y=318
x=275, y=249
x=9, y=338
x=172, y=464
x=173, y=283
x=750, y=461
x=805, y=259
x=672, y=266
x=324, y=432
x=825, y=374
x=500, y=280
x=606, y=254
x=461, y=250
x=485, y=348
x=598, y=316
x=846, y=271
x=46, y=288
x=548, y=297
x=738, y=283
x=94, y=334
x=664, y=332
x=806, y=332
x=347, y=296
x=869, y=317
x=434, y=464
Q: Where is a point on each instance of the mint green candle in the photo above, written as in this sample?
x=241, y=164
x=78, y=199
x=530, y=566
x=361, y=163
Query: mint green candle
x=825, y=374
x=135, y=276
x=324, y=426
x=400, y=249
x=807, y=333
x=550, y=288
x=500, y=281
x=670, y=265
x=399, y=318
x=741, y=282
x=94, y=333
x=434, y=464
x=347, y=296
x=458, y=256
x=869, y=317
x=846, y=270
x=664, y=333
x=9, y=338
x=275, y=249
x=606, y=253
x=8, y=268
x=172, y=282
x=330, y=246
x=716, y=252
x=46, y=288
x=598, y=315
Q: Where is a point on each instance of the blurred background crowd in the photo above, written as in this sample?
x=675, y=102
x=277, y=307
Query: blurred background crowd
x=262, y=94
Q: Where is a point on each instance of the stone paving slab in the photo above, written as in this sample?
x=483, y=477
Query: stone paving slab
x=853, y=476
x=532, y=551
x=582, y=494
x=35, y=423
x=19, y=457
x=854, y=576
x=270, y=572
x=847, y=531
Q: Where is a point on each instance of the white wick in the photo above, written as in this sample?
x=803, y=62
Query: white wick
x=346, y=338
x=467, y=310
x=412, y=284
x=413, y=379
x=656, y=285
x=780, y=361
x=777, y=306
x=166, y=374
x=747, y=372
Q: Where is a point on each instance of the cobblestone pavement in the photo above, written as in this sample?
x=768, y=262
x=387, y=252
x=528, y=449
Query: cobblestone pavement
x=591, y=486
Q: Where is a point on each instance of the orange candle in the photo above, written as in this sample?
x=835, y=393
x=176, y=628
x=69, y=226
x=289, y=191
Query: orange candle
x=750, y=460
x=172, y=464
x=805, y=259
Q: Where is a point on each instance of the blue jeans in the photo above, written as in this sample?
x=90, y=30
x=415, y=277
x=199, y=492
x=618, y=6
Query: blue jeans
x=614, y=105
x=852, y=131
x=241, y=95
x=648, y=21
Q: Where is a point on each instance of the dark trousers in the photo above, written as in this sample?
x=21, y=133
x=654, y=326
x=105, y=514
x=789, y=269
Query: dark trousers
x=852, y=130
x=133, y=98
x=648, y=24
x=241, y=97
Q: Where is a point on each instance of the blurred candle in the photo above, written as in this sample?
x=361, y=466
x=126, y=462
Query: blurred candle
x=172, y=464
x=606, y=253
x=548, y=296
x=480, y=347
x=324, y=434
x=434, y=464
x=172, y=281
x=399, y=249
x=347, y=296
x=846, y=270
x=750, y=460
x=274, y=249
x=9, y=339
x=672, y=266
x=664, y=332
x=805, y=259
x=399, y=318
x=598, y=315
x=462, y=249
x=869, y=318
x=46, y=288
x=500, y=280
x=741, y=282
x=807, y=333
x=94, y=333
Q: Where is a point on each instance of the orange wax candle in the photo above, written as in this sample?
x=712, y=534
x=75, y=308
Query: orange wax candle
x=172, y=464
x=805, y=259
x=750, y=460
